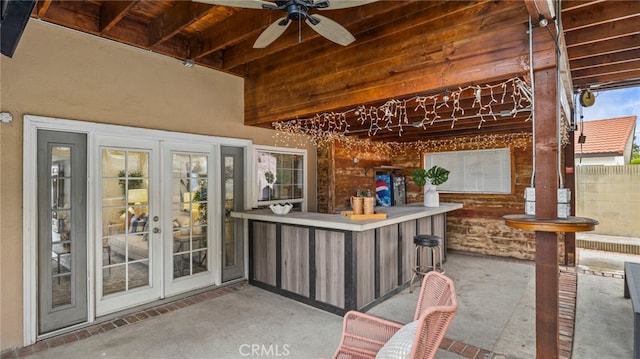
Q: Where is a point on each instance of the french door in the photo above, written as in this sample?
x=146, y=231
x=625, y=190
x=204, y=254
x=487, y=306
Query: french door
x=119, y=217
x=161, y=232
x=232, y=189
x=190, y=237
x=128, y=248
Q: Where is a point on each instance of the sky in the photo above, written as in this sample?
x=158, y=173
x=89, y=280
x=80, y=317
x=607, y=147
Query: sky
x=615, y=103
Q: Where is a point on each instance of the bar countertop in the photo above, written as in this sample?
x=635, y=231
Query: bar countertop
x=395, y=215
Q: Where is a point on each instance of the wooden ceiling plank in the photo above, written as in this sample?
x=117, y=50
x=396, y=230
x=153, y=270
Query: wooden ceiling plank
x=370, y=24
x=629, y=78
x=598, y=13
x=243, y=25
x=604, y=32
x=42, y=7
x=604, y=47
x=607, y=59
x=76, y=15
x=245, y=53
x=414, y=45
x=568, y=5
x=607, y=69
x=180, y=16
x=111, y=12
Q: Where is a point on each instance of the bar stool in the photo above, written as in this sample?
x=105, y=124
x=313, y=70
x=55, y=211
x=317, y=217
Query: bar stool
x=425, y=243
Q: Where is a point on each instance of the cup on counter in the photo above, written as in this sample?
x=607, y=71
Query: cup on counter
x=357, y=204
x=368, y=204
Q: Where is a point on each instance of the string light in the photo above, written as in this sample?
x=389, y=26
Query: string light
x=332, y=127
x=393, y=116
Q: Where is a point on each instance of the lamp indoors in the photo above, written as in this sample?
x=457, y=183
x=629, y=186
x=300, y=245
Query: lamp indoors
x=138, y=196
x=187, y=199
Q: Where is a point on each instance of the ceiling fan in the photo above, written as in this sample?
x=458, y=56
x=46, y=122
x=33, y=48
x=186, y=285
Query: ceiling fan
x=297, y=10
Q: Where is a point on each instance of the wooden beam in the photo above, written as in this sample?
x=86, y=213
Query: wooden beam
x=536, y=9
x=171, y=22
x=428, y=54
x=244, y=25
x=43, y=6
x=569, y=176
x=111, y=12
x=546, y=184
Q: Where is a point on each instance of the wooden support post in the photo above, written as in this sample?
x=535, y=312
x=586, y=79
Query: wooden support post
x=546, y=184
x=570, y=183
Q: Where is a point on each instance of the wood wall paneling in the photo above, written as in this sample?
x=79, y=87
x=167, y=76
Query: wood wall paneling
x=388, y=260
x=330, y=267
x=426, y=56
x=408, y=230
x=478, y=227
x=295, y=259
x=264, y=249
x=365, y=276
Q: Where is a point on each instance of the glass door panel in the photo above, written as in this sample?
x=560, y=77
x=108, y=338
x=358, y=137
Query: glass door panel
x=125, y=208
x=232, y=168
x=189, y=214
x=61, y=252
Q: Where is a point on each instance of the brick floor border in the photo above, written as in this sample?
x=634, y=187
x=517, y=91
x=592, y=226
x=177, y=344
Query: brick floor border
x=567, y=309
x=122, y=321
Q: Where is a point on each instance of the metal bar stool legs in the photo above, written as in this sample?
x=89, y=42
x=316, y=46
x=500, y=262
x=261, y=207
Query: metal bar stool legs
x=425, y=244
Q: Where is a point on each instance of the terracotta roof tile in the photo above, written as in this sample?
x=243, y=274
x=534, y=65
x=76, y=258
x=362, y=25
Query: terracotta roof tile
x=605, y=136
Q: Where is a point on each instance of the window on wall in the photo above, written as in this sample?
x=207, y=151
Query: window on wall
x=280, y=175
x=478, y=171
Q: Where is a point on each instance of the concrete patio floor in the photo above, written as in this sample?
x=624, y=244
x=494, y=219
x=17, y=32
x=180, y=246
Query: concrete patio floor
x=496, y=315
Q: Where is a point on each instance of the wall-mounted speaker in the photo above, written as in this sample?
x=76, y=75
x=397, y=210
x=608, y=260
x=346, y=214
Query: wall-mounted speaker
x=13, y=20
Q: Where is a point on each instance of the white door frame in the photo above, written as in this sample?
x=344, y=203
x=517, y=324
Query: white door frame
x=213, y=275
x=31, y=125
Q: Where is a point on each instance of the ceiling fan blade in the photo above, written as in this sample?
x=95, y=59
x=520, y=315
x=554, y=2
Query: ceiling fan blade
x=342, y=4
x=249, y=4
x=331, y=30
x=271, y=33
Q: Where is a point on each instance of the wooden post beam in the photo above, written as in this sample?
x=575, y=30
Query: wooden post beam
x=546, y=184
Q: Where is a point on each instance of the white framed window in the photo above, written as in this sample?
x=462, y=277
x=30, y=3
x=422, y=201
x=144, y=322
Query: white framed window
x=280, y=176
x=474, y=171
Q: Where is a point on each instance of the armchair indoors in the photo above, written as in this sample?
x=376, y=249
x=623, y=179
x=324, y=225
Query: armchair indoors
x=368, y=336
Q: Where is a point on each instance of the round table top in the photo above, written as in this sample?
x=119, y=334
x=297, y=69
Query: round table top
x=531, y=223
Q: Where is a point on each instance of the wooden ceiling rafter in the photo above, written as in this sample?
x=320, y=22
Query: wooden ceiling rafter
x=169, y=24
x=111, y=12
x=446, y=43
x=376, y=15
x=604, y=42
x=241, y=27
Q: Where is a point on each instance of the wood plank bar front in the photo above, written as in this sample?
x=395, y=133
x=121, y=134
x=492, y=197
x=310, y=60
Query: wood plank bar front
x=337, y=269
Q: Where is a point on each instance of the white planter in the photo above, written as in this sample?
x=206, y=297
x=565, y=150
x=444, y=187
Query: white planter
x=431, y=196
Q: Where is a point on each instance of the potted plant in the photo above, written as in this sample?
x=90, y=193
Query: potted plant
x=429, y=179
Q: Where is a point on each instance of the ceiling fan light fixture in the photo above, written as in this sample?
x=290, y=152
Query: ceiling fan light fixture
x=297, y=12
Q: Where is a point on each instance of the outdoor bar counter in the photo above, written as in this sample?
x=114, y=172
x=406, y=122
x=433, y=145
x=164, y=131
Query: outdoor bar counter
x=335, y=263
